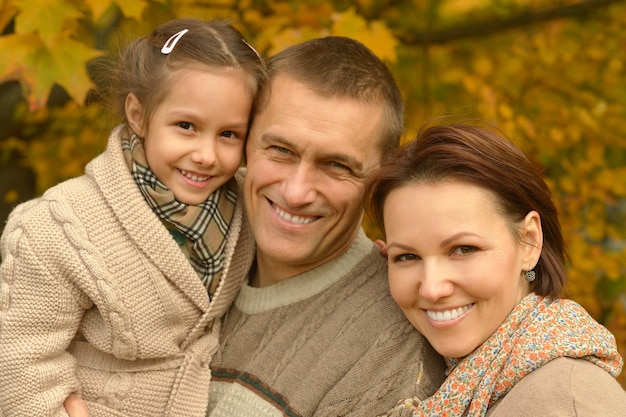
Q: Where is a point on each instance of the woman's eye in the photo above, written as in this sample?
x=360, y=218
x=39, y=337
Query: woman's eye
x=405, y=257
x=464, y=250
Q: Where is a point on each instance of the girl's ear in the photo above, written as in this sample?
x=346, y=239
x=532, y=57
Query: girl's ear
x=134, y=114
x=532, y=239
x=381, y=244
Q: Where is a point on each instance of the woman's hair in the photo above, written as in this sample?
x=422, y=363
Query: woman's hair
x=144, y=67
x=341, y=67
x=482, y=156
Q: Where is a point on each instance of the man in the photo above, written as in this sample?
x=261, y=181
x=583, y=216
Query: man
x=315, y=331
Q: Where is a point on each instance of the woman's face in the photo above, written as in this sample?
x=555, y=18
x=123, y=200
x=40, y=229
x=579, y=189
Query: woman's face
x=455, y=266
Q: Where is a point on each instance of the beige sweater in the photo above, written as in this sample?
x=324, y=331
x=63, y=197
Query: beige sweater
x=564, y=387
x=97, y=297
x=328, y=342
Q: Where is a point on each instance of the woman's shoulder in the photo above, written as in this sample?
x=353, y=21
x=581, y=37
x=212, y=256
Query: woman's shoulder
x=564, y=387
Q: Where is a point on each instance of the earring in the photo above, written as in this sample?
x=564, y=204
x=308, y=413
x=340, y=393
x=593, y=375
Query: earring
x=530, y=276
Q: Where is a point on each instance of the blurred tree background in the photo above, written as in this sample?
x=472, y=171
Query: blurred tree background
x=550, y=73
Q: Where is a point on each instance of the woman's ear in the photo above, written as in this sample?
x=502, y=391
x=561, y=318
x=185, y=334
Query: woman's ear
x=134, y=114
x=532, y=239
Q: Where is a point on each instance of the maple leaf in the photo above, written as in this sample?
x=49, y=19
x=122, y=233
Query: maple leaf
x=375, y=35
x=133, y=8
x=38, y=68
x=45, y=17
x=98, y=7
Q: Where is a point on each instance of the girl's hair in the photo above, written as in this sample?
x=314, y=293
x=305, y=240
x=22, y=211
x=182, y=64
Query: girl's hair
x=482, y=156
x=143, y=69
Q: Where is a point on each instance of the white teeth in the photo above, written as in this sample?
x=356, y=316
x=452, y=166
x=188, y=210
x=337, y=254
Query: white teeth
x=193, y=177
x=293, y=219
x=447, y=314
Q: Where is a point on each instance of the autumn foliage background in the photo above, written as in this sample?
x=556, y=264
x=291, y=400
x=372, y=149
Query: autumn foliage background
x=550, y=73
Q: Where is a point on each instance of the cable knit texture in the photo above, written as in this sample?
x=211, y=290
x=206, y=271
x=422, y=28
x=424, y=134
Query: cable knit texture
x=97, y=298
x=328, y=342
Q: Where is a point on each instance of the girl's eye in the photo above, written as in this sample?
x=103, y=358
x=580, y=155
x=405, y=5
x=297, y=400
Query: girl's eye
x=185, y=125
x=229, y=134
x=464, y=250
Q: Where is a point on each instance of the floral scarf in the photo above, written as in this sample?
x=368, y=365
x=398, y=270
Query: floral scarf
x=535, y=332
x=200, y=230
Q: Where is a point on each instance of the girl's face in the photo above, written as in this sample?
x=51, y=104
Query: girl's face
x=194, y=140
x=455, y=266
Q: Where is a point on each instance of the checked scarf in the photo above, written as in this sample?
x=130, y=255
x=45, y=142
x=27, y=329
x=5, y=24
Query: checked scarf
x=535, y=332
x=199, y=230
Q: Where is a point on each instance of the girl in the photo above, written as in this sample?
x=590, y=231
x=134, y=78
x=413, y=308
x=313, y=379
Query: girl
x=112, y=284
x=476, y=263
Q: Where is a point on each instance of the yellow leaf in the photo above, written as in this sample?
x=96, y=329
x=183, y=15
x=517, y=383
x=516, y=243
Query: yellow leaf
x=133, y=9
x=7, y=13
x=99, y=7
x=375, y=35
x=45, y=17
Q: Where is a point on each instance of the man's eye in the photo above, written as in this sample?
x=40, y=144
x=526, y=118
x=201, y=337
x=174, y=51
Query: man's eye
x=340, y=166
x=280, y=149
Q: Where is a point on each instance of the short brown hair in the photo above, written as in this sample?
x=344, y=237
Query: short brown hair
x=337, y=66
x=481, y=155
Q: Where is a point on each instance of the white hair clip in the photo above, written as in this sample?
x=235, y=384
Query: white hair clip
x=253, y=50
x=172, y=41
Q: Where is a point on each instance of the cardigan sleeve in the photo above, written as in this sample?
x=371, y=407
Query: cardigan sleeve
x=39, y=315
x=564, y=387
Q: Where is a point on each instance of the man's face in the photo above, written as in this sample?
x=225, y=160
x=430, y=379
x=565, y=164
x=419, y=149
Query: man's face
x=307, y=159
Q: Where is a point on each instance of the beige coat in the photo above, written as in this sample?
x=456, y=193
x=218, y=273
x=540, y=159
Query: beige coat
x=96, y=297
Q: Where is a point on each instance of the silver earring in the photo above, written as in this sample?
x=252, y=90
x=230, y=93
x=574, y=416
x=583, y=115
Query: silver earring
x=530, y=276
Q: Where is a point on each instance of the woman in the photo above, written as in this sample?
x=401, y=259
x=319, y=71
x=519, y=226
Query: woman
x=476, y=263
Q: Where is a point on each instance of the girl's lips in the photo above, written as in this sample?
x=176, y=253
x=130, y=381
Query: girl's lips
x=194, y=177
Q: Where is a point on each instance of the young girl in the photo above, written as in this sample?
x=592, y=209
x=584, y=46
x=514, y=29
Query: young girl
x=112, y=284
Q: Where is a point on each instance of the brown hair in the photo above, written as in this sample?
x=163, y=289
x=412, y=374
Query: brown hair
x=337, y=66
x=144, y=70
x=483, y=156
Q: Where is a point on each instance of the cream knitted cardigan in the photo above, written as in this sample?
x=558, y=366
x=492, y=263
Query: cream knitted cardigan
x=96, y=297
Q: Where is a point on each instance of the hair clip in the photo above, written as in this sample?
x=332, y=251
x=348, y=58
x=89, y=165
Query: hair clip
x=254, y=50
x=172, y=41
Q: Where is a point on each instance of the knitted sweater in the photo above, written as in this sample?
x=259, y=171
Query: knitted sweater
x=329, y=342
x=96, y=297
x=564, y=387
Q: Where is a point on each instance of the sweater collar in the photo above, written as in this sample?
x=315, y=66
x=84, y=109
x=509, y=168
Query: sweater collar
x=252, y=300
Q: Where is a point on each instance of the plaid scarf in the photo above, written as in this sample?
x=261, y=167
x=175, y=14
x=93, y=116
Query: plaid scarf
x=535, y=332
x=199, y=230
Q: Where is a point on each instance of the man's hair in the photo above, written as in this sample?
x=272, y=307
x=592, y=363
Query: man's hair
x=340, y=67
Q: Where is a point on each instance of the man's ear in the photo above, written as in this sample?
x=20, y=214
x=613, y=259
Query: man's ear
x=532, y=239
x=134, y=114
